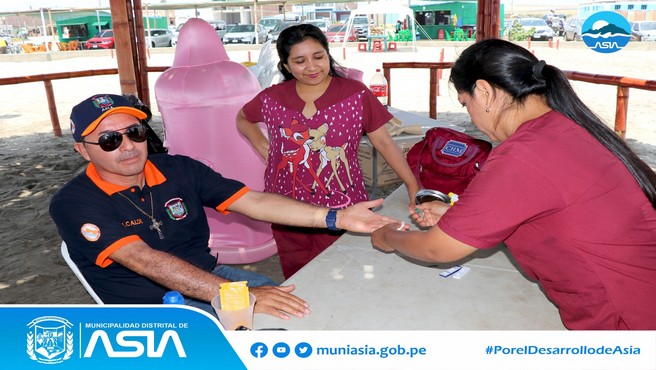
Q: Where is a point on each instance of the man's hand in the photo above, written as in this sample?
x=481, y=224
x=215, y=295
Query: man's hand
x=278, y=301
x=380, y=238
x=360, y=218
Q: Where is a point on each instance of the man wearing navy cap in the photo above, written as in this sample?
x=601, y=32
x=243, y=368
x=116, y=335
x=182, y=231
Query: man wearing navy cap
x=135, y=224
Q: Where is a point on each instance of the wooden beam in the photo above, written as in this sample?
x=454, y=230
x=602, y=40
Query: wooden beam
x=123, y=44
x=140, y=57
x=488, y=14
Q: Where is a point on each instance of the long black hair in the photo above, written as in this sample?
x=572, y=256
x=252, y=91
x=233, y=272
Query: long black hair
x=297, y=34
x=519, y=73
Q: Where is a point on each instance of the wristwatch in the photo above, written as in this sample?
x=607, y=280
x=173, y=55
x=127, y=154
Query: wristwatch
x=331, y=218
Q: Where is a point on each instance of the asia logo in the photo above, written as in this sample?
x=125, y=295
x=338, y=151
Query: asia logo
x=49, y=340
x=606, y=32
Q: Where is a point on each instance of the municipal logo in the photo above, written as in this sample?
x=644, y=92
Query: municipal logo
x=103, y=102
x=176, y=209
x=454, y=148
x=49, y=340
x=90, y=232
x=606, y=32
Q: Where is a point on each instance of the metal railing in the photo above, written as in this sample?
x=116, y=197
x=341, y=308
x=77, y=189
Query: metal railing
x=624, y=84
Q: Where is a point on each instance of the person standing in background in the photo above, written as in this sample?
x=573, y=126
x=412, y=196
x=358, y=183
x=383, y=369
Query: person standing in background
x=315, y=121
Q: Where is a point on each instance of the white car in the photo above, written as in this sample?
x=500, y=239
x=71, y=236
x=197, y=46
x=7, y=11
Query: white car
x=323, y=24
x=541, y=30
x=158, y=37
x=245, y=33
x=644, y=30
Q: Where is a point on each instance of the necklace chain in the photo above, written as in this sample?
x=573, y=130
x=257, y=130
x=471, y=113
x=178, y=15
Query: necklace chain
x=155, y=225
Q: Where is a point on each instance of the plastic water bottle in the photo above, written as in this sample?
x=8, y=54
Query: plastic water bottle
x=378, y=85
x=173, y=297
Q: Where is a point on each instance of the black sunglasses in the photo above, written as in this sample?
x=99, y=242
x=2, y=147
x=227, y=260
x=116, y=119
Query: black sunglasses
x=110, y=141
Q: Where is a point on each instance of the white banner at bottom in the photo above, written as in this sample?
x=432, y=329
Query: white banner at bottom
x=470, y=350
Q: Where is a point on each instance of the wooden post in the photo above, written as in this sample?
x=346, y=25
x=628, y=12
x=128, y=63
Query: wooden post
x=432, y=96
x=142, y=52
x=621, y=111
x=388, y=77
x=124, y=53
x=52, y=107
x=488, y=19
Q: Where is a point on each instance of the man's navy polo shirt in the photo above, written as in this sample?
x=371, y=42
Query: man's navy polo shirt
x=95, y=221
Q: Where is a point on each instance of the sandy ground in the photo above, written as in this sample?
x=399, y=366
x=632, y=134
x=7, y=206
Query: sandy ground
x=34, y=163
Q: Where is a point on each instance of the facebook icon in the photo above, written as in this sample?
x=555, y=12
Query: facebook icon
x=259, y=350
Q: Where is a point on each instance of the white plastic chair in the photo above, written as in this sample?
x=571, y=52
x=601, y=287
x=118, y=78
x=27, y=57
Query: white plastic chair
x=78, y=273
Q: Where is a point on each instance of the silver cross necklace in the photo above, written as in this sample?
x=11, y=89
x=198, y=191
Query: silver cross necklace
x=155, y=225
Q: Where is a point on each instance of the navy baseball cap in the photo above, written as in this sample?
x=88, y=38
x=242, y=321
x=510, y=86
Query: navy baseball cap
x=86, y=116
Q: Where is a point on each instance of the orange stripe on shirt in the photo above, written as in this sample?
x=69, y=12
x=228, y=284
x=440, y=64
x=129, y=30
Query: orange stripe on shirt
x=103, y=259
x=223, y=207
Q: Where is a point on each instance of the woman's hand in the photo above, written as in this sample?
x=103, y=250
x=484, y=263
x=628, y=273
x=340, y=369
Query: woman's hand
x=427, y=214
x=279, y=302
x=412, y=195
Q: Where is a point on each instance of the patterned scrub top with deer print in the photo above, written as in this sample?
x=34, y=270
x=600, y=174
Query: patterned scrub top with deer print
x=315, y=160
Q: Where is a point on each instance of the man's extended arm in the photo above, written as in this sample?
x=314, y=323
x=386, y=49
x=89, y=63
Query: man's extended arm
x=191, y=281
x=279, y=209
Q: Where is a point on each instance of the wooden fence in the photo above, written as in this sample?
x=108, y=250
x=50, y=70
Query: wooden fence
x=624, y=84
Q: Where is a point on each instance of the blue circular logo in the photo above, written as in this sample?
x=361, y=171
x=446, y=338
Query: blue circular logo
x=303, y=350
x=259, y=350
x=280, y=350
x=606, y=32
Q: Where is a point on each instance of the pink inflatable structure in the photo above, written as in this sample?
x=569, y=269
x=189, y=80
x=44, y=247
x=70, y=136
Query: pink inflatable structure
x=198, y=98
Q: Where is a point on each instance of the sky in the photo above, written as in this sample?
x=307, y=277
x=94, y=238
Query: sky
x=10, y=5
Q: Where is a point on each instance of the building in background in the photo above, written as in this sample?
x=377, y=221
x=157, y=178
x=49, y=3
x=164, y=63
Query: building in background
x=633, y=11
x=437, y=18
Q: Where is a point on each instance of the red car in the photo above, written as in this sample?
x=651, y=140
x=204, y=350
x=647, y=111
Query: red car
x=337, y=33
x=103, y=40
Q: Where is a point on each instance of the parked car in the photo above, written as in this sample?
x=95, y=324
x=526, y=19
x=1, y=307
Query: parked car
x=7, y=37
x=275, y=32
x=103, y=40
x=573, y=29
x=269, y=23
x=158, y=37
x=361, y=25
x=507, y=25
x=245, y=33
x=644, y=30
x=337, y=33
x=220, y=27
x=323, y=24
x=541, y=31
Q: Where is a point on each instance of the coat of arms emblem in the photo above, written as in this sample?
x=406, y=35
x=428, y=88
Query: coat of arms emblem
x=50, y=340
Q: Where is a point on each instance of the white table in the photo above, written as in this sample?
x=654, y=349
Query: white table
x=351, y=285
x=408, y=119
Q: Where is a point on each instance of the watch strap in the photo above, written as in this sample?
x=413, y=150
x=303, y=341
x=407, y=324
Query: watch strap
x=331, y=218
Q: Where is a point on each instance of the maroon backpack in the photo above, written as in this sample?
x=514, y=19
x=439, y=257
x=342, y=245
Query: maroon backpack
x=447, y=160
